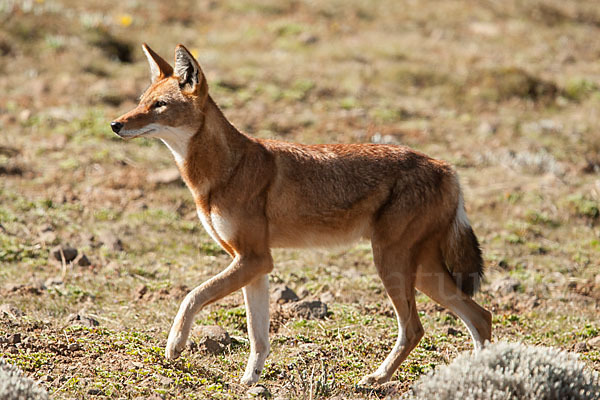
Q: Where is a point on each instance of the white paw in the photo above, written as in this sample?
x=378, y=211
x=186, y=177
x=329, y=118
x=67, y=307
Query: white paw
x=373, y=379
x=174, y=347
x=250, y=377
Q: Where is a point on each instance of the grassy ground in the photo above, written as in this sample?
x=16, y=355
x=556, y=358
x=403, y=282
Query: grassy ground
x=507, y=91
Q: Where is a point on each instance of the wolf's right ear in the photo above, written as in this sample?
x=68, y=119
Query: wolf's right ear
x=159, y=68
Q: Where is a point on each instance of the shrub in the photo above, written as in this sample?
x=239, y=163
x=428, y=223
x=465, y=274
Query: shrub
x=15, y=386
x=510, y=371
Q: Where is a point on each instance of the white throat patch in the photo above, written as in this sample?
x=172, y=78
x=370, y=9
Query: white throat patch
x=176, y=139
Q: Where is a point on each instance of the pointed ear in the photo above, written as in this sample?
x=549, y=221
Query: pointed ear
x=159, y=68
x=187, y=70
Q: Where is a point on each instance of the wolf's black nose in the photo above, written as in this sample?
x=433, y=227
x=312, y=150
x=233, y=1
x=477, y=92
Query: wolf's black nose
x=116, y=126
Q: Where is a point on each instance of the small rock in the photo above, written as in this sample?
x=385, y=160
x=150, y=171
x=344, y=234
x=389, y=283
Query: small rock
x=486, y=129
x=505, y=286
x=308, y=38
x=50, y=282
x=69, y=253
x=15, y=338
x=7, y=309
x=210, y=346
x=594, y=342
x=164, y=380
x=84, y=320
x=283, y=294
x=214, y=332
x=24, y=115
x=258, y=391
x=111, y=241
x=327, y=297
x=12, y=287
x=580, y=347
x=141, y=291
x=47, y=237
x=74, y=347
x=83, y=261
x=95, y=392
x=303, y=292
x=453, y=332
x=530, y=303
x=309, y=309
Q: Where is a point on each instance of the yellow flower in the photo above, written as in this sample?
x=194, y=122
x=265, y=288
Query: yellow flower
x=125, y=20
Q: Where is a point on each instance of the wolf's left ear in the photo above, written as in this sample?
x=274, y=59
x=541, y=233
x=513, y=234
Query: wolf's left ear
x=159, y=68
x=187, y=69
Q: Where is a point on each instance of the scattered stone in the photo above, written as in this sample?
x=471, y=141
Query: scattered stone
x=137, y=364
x=309, y=309
x=83, y=261
x=69, y=253
x=327, y=297
x=7, y=309
x=303, y=292
x=141, y=291
x=499, y=84
x=81, y=319
x=15, y=338
x=164, y=380
x=486, y=129
x=25, y=289
x=594, y=343
x=210, y=346
x=24, y=115
x=453, y=332
x=530, y=303
x=154, y=396
x=309, y=346
x=47, y=234
x=258, y=391
x=308, y=38
x=580, y=347
x=111, y=241
x=27, y=342
x=213, y=339
x=74, y=347
x=214, y=332
x=13, y=287
x=283, y=294
x=55, y=281
x=505, y=286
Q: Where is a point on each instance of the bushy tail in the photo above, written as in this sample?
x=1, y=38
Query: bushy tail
x=461, y=252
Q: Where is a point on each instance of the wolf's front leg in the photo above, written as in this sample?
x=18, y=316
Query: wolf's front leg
x=242, y=271
x=256, y=295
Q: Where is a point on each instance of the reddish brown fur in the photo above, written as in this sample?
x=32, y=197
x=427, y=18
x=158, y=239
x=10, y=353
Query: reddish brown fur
x=255, y=194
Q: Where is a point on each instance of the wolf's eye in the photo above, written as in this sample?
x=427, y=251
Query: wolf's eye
x=159, y=104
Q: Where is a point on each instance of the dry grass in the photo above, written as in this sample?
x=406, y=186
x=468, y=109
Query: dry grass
x=507, y=91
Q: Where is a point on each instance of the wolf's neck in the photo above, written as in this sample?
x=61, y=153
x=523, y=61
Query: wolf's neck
x=213, y=152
